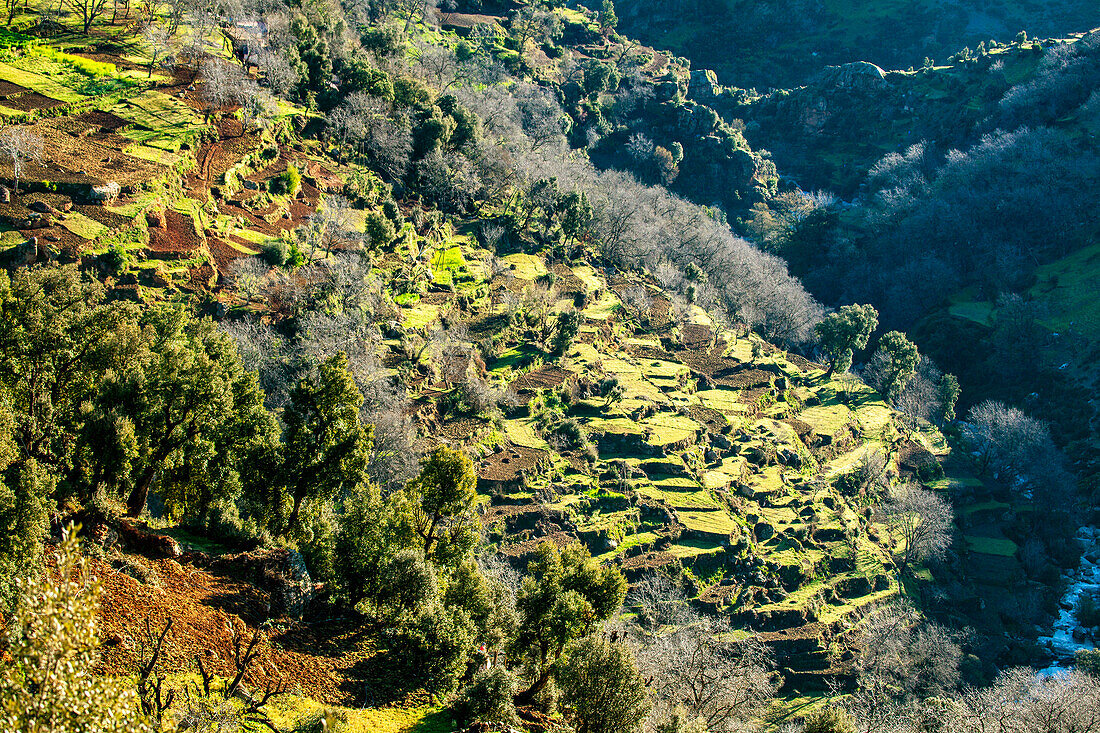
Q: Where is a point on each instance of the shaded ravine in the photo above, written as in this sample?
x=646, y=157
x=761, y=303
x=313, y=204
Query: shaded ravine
x=1067, y=635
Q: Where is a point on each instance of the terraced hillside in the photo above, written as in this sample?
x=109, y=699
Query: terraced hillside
x=597, y=407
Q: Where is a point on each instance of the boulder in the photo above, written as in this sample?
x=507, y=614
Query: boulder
x=861, y=75
x=277, y=570
x=5, y=195
x=703, y=84
x=156, y=218
x=137, y=538
x=107, y=192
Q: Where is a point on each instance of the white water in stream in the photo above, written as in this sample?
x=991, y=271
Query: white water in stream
x=1084, y=580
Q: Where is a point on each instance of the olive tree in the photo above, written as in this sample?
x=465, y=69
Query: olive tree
x=843, y=332
x=565, y=595
x=892, y=365
x=442, y=500
x=601, y=688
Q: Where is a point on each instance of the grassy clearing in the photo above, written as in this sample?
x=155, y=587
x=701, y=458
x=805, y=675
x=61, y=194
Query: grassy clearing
x=82, y=226
x=991, y=545
x=291, y=710
x=524, y=266
x=715, y=523
x=828, y=418
x=39, y=83
x=1068, y=289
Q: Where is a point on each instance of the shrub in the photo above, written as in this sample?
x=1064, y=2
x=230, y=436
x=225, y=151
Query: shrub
x=489, y=698
x=433, y=646
x=116, y=259
x=828, y=720
x=1087, y=660
x=602, y=691
x=276, y=252
x=288, y=182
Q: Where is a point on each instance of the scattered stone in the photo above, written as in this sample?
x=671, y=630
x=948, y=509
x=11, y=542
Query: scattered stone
x=107, y=192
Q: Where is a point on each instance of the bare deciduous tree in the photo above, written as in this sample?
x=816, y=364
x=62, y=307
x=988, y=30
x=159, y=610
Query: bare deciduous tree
x=723, y=682
x=902, y=661
x=1022, y=702
x=924, y=521
x=21, y=145
x=87, y=10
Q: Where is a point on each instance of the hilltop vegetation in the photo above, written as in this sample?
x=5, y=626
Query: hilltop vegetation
x=391, y=386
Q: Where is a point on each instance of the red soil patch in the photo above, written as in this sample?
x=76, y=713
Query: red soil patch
x=179, y=237
x=709, y=418
x=224, y=255
x=103, y=120
x=203, y=606
x=520, y=550
x=545, y=377
x=649, y=561
x=468, y=20
x=803, y=363
x=696, y=337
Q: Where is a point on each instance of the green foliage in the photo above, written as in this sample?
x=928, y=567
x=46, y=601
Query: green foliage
x=380, y=229
x=844, y=332
x=564, y=596
x=182, y=414
x=829, y=719
x=287, y=183
x=1088, y=661
x=566, y=329
x=601, y=689
x=488, y=699
x=85, y=66
x=897, y=359
x=1088, y=611
x=368, y=542
x=24, y=499
x=949, y=392
x=325, y=446
x=276, y=252
x=48, y=681
x=117, y=259
x=441, y=505
x=432, y=646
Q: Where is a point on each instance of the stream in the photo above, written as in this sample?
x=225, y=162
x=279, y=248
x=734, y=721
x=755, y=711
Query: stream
x=1085, y=579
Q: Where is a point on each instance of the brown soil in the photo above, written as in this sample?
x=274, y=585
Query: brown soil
x=520, y=550
x=102, y=215
x=506, y=466
x=711, y=419
x=803, y=363
x=103, y=120
x=696, y=337
x=31, y=101
x=545, y=377
x=467, y=20
x=179, y=237
x=203, y=607
x=11, y=89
